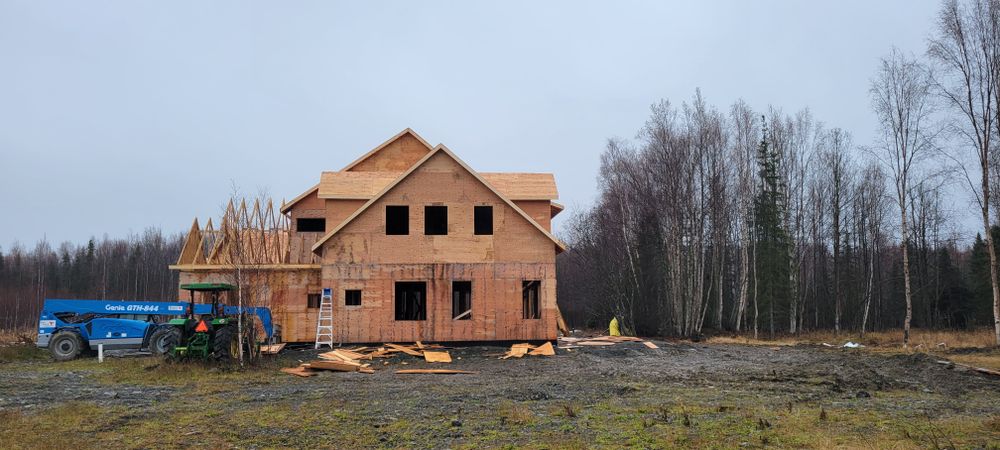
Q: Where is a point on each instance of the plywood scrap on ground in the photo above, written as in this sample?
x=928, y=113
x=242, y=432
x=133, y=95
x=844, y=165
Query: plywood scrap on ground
x=337, y=366
x=598, y=341
x=434, y=371
x=405, y=349
x=341, y=355
x=519, y=350
x=299, y=371
x=272, y=349
x=543, y=350
x=442, y=357
x=516, y=351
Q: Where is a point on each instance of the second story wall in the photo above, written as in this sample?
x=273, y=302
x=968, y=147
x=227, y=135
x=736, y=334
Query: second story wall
x=540, y=210
x=439, y=181
x=337, y=210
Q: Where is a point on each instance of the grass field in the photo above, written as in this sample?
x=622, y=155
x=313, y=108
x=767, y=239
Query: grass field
x=683, y=395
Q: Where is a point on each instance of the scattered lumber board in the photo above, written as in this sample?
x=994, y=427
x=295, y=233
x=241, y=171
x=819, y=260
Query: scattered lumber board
x=543, y=350
x=432, y=357
x=982, y=370
x=404, y=349
x=560, y=323
x=595, y=343
x=272, y=349
x=337, y=366
x=516, y=352
x=649, y=344
x=347, y=354
x=299, y=371
x=616, y=339
x=434, y=371
x=338, y=357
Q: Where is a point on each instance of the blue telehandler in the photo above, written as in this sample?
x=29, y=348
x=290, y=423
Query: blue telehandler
x=71, y=327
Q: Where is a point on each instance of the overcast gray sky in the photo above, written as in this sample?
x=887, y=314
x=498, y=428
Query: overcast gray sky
x=115, y=116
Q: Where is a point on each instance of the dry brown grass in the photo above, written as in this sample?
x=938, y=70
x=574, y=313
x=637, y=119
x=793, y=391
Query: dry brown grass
x=18, y=336
x=919, y=339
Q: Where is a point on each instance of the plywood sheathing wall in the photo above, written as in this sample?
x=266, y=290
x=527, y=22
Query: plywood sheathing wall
x=361, y=256
x=496, y=302
x=396, y=155
x=288, y=298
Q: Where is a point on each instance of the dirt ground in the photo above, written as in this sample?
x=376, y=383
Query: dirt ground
x=680, y=395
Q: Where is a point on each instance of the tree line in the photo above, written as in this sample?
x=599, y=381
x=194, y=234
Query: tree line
x=134, y=267
x=771, y=222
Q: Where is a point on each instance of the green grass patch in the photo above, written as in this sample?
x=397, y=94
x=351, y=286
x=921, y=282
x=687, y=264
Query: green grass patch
x=19, y=353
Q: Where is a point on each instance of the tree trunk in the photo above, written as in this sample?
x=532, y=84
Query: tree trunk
x=906, y=279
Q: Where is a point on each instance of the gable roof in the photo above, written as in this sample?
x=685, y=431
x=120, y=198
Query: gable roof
x=524, y=186
x=560, y=246
x=354, y=185
x=385, y=144
x=288, y=206
x=365, y=185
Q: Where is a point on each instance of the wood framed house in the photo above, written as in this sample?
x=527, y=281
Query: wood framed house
x=414, y=245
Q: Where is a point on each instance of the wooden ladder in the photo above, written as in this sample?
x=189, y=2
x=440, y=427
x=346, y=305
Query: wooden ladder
x=324, y=321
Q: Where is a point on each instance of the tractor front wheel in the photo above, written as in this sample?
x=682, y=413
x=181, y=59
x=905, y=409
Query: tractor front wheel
x=65, y=345
x=164, y=339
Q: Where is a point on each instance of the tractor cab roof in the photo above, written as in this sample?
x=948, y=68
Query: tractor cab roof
x=208, y=287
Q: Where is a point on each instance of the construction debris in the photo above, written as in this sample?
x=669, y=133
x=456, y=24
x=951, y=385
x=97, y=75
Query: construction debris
x=272, y=349
x=516, y=351
x=543, y=350
x=402, y=348
x=434, y=371
x=338, y=366
x=299, y=371
x=574, y=342
x=519, y=350
x=442, y=357
x=350, y=360
x=983, y=370
x=649, y=344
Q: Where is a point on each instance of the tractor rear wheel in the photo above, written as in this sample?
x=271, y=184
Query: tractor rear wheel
x=164, y=339
x=65, y=345
x=225, y=346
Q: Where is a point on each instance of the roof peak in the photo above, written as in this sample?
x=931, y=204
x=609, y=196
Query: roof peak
x=373, y=152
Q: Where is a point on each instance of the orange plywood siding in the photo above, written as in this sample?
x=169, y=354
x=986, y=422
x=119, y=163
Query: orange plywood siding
x=540, y=210
x=365, y=185
x=354, y=185
x=440, y=181
x=338, y=210
x=523, y=186
x=395, y=156
x=496, y=302
x=362, y=256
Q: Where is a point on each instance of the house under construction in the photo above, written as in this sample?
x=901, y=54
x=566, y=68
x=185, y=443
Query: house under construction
x=408, y=242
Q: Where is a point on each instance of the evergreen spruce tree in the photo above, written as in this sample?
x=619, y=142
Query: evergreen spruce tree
x=772, y=241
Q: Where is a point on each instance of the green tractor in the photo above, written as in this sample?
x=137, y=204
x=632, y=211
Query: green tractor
x=209, y=330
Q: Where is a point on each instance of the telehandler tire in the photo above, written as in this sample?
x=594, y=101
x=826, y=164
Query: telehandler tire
x=65, y=345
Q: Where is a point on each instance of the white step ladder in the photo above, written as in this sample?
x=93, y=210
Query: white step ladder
x=324, y=322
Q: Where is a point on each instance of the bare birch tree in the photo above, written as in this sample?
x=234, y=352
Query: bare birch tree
x=967, y=48
x=902, y=101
